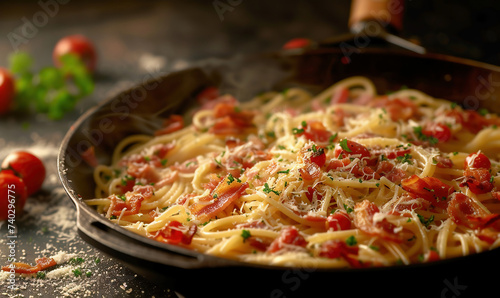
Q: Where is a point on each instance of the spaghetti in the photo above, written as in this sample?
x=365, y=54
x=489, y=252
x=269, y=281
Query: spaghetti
x=346, y=178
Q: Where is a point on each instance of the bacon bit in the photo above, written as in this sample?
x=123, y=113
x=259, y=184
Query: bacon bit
x=168, y=180
x=23, y=268
x=229, y=120
x=444, y=162
x=363, y=220
x=161, y=150
x=398, y=108
x=478, y=180
x=143, y=171
x=338, y=117
x=171, y=124
x=259, y=243
x=226, y=192
x=464, y=211
x=187, y=167
x=336, y=248
x=315, y=131
x=133, y=200
x=428, y=188
x=176, y=233
x=407, y=203
x=310, y=172
x=89, y=157
x=389, y=171
x=439, y=131
x=289, y=236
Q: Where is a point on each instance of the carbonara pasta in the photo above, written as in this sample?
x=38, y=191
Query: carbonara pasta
x=345, y=178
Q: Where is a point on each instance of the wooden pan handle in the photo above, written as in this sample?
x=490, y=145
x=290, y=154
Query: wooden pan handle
x=385, y=12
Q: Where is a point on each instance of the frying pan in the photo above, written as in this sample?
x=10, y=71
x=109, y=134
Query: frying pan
x=141, y=109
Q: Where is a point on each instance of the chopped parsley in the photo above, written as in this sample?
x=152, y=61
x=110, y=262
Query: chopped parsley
x=348, y=209
x=424, y=221
x=245, y=234
x=344, y=146
x=351, y=241
x=40, y=274
x=267, y=189
x=405, y=159
x=122, y=197
x=77, y=272
x=284, y=172
x=417, y=130
x=231, y=179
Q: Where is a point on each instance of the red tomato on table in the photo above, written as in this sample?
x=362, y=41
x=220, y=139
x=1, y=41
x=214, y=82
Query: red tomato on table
x=27, y=166
x=13, y=195
x=78, y=45
x=7, y=90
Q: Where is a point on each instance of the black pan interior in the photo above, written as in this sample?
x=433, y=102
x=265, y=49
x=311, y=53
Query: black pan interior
x=142, y=108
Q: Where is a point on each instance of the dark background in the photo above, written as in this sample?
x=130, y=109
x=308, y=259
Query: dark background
x=137, y=38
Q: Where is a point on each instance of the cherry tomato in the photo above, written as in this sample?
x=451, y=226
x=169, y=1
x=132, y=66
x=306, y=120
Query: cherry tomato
x=297, y=43
x=477, y=161
x=7, y=90
x=338, y=221
x=27, y=166
x=13, y=194
x=348, y=148
x=437, y=130
x=78, y=45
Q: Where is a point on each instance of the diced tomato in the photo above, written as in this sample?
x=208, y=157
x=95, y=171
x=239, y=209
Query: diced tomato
x=230, y=120
x=431, y=189
x=338, y=221
x=437, y=130
x=363, y=220
x=23, y=268
x=171, y=124
x=340, y=96
x=477, y=161
x=297, y=43
x=175, y=233
x=336, y=248
x=350, y=148
x=206, y=95
x=289, y=236
x=227, y=191
x=478, y=180
x=431, y=256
